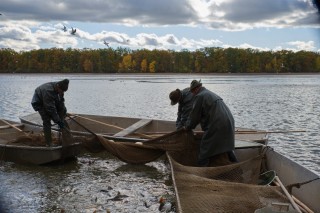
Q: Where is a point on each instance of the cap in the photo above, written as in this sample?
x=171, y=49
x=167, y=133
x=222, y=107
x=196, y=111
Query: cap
x=63, y=84
x=175, y=96
x=194, y=84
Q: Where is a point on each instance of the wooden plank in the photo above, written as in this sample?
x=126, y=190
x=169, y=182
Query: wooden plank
x=34, y=119
x=6, y=122
x=10, y=126
x=246, y=144
x=134, y=127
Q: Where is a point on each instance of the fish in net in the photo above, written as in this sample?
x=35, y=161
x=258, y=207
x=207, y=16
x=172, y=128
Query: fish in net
x=32, y=139
x=222, y=187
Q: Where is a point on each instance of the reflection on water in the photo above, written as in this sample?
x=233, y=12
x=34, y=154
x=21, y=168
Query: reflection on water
x=90, y=183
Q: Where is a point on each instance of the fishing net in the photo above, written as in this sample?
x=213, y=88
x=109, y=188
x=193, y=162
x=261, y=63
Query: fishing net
x=143, y=152
x=224, y=187
x=231, y=188
x=201, y=194
x=29, y=139
x=221, y=187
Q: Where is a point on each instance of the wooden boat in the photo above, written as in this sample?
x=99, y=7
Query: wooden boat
x=194, y=190
x=298, y=188
x=127, y=128
x=23, y=143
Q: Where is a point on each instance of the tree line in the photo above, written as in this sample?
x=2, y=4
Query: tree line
x=124, y=60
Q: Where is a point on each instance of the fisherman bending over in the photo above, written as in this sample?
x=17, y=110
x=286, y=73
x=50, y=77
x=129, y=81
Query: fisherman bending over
x=216, y=121
x=185, y=100
x=48, y=100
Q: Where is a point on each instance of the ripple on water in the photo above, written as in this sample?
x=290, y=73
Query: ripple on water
x=261, y=102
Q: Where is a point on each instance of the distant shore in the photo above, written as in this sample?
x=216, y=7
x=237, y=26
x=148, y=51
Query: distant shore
x=164, y=74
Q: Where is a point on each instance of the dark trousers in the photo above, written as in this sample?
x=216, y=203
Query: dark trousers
x=46, y=119
x=46, y=122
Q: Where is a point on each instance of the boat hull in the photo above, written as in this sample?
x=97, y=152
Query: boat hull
x=114, y=125
x=38, y=155
x=18, y=145
x=287, y=170
x=291, y=172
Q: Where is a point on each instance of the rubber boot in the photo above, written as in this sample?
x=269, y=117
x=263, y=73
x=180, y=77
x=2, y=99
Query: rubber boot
x=232, y=157
x=46, y=127
x=204, y=162
x=66, y=124
x=47, y=136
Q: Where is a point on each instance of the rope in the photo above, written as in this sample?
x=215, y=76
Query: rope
x=6, y=122
x=105, y=124
x=298, y=185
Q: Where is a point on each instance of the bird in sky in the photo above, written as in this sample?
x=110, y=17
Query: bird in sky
x=64, y=28
x=73, y=31
x=106, y=43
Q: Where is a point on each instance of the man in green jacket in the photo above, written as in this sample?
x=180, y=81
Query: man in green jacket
x=185, y=100
x=216, y=121
x=48, y=100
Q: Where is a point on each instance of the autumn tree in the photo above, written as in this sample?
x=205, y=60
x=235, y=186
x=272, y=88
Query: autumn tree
x=126, y=64
x=87, y=65
x=144, y=65
x=152, y=67
x=204, y=60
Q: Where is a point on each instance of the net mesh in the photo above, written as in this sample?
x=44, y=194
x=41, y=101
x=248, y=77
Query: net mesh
x=224, y=187
x=29, y=139
x=200, y=194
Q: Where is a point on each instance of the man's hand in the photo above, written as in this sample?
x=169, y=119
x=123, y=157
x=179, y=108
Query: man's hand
x=187, y=128
x=61, y=124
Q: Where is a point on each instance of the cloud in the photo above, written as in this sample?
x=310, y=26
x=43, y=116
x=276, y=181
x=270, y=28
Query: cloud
x=19, y=36
x=35, y=24
x=228, y=14
x=50, y=35
x=247, y=46
x=302, y=45
x=247, y=14
x=19, y=32
x=21, y=45
x=154, y=12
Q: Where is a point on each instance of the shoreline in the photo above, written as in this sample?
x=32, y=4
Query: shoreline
x=167, y=74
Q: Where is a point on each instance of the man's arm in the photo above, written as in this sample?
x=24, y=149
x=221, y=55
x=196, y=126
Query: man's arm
x=195, y=114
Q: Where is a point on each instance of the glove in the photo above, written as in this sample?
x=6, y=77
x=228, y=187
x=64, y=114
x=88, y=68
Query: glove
x=187, y=128
x=182, y=128
x=61, y=124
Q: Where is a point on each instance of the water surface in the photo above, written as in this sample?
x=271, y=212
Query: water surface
x=266, y=102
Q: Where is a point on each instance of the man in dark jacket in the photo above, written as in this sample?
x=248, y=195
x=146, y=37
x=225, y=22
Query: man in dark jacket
x=48, y=100
x=216, y=121
x=185, y=100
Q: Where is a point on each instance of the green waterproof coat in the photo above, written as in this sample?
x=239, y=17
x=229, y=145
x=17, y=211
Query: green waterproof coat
x=216, y=121
x=47, y=100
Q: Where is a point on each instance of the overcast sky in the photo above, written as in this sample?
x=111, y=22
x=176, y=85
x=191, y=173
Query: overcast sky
x=160, y=24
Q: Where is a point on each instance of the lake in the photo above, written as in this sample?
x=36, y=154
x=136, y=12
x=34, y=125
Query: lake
x=266, y=102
